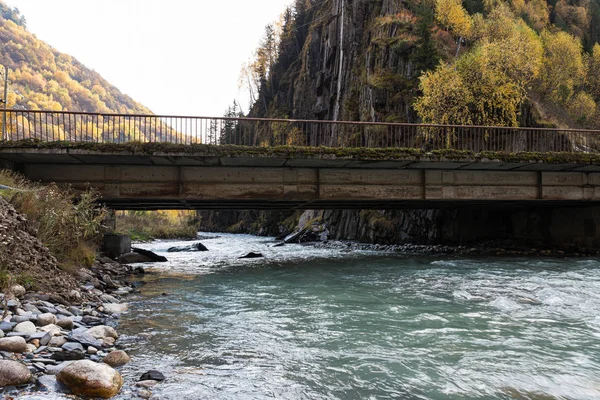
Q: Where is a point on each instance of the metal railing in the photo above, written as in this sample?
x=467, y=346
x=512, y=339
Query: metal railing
x=123, y=128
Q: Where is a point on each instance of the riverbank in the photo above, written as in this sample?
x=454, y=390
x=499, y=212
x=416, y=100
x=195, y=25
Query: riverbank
x=59, y=310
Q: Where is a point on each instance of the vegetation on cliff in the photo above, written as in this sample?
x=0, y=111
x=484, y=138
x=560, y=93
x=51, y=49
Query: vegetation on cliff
x=510, y=63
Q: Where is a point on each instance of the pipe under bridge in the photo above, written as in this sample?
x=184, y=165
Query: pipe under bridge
x=178, y=162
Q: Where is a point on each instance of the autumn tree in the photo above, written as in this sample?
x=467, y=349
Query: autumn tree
x=563, y=68
x=593, y=73
x=487, y=85
x=452, y=15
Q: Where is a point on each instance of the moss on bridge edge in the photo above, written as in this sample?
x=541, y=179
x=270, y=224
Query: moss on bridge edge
x=200, y=150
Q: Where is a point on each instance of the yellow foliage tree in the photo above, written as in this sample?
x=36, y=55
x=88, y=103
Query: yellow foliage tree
x=583, y=107
x=452, y=15
x=593, y=73
x=563, y=67
x=490, y=82
x=446, y=97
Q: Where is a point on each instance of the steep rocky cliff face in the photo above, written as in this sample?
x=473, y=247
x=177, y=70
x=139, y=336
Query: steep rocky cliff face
x=361, y=60
x=353, y=60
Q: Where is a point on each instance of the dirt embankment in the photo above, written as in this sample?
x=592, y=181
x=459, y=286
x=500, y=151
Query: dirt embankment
x=25, y=260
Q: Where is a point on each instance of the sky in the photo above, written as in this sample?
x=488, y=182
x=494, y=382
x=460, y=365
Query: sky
x=177, y=57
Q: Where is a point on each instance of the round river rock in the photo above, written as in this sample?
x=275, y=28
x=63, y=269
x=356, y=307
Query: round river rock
x=87, y=378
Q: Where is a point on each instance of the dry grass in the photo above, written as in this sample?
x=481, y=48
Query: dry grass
x=148, y=225
x=69, y=224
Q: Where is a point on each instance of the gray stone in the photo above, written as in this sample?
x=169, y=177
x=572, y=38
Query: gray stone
x=45, y=309
x=87, y=378
x=13, y=303
x=31, y=308
x=73, y=346
x=13, y=344
x=66, y=323
x=18, y=334
x=55, y=369
x=25, y=327
x=102, y=332
x=44, y=361
x=13, y=373
x=52, y=385
x=112, y=308
x=21, y=318
x=74, y=310
x=147, y=384
x=106, y=298
x=46, y=319
x=58, y=341
x=51, y=329
x=6, y=326
x=92, y=350
x=63, y=311
x=82, y=336
x=39, y=366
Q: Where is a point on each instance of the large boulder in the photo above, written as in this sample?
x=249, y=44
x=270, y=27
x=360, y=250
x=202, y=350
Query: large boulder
x=15, y=344
x=194, y=247
x=87, y=378
x=13, y=373
x=117, y=358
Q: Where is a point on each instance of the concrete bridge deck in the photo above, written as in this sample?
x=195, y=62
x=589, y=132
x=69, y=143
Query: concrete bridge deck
x=283, y=181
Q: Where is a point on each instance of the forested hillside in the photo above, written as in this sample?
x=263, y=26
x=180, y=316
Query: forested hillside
x=42, y=78
x=510, y=63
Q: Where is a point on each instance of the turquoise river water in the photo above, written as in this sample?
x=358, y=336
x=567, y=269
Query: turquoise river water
x=308, y=323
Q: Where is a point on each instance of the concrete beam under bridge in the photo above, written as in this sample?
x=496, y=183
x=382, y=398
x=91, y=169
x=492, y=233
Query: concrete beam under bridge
x=283, y=187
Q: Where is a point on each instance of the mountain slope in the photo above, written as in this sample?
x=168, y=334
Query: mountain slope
x=42, y=78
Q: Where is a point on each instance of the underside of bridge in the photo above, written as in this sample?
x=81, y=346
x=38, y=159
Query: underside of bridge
x=184, y=181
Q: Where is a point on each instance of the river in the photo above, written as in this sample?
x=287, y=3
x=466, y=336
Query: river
x=309, y=323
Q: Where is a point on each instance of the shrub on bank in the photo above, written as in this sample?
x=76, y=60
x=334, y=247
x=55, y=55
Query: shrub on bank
x=147, y=225
x=68, y=223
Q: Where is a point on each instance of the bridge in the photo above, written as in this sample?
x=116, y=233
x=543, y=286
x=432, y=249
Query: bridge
x=178, y=162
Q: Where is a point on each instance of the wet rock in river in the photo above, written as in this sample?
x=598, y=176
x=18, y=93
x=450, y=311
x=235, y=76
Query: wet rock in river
x=49, y=383
x=117, y=358
x=87, y=378
x=194, y=247
x=13, y=373
x=252, y=255
x=113, y=308
x=153, y=375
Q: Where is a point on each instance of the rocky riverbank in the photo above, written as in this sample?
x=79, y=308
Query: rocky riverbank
x=59, y=347
x=57, y=330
